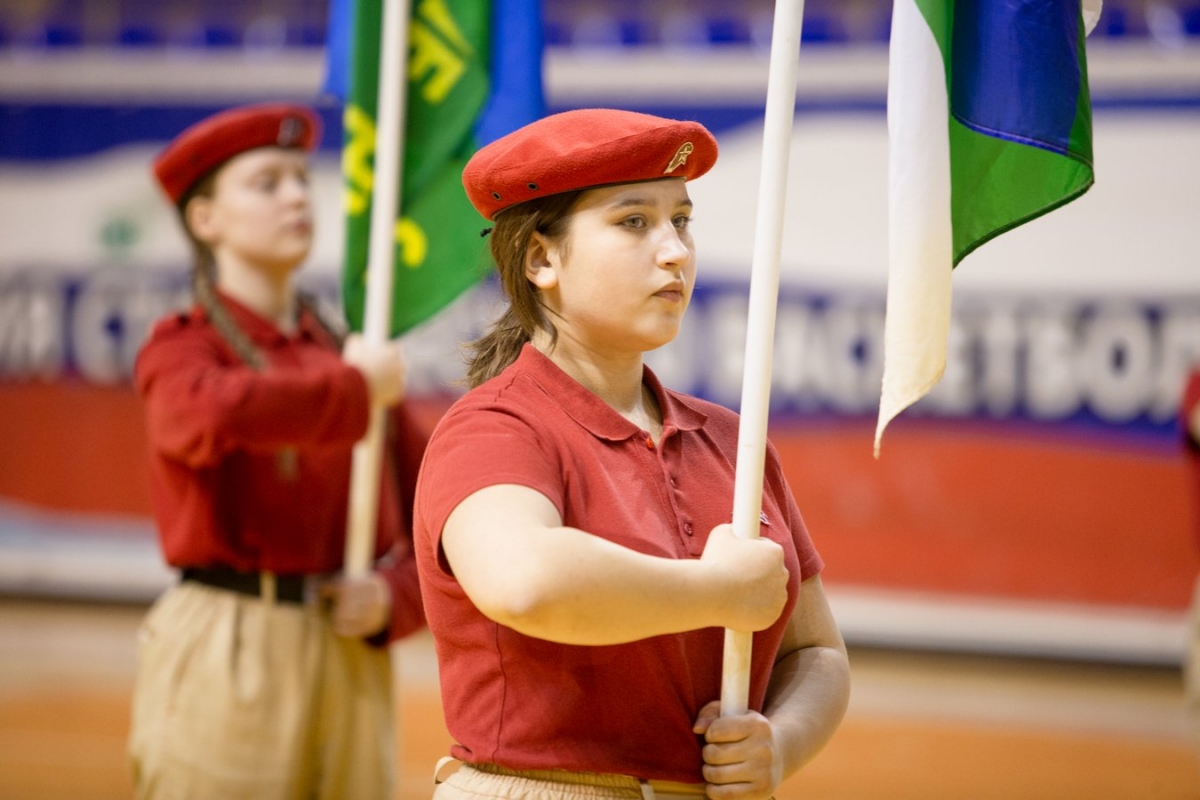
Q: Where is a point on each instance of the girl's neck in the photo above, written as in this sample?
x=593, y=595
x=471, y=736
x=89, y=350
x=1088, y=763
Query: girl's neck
x=615, y=380
x=268, y=293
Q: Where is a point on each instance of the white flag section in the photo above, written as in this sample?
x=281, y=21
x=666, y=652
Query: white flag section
x=920, y=234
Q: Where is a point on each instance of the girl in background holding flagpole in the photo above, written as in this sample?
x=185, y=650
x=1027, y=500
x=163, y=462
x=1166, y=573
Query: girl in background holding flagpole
x=571, y=513
x=260, y=675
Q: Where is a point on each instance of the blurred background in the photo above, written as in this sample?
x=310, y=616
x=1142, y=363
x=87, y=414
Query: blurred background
x=1013, y=575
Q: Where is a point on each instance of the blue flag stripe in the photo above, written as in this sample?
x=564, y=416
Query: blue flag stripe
x=516, y=97
x=1016, y=71
x=339, y=32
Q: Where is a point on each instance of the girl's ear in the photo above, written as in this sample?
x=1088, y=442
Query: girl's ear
x=541, y=262
x=198, y=214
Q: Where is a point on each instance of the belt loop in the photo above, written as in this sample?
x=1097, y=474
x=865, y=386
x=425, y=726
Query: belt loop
x=445, y=767
x=647, y=790
x=267, y=585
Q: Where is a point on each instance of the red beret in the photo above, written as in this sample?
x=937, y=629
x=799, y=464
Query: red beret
x=581, y=149
x=211, y=142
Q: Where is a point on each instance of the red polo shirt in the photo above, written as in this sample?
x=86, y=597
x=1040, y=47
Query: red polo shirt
x=251, y=469
x=527, y=703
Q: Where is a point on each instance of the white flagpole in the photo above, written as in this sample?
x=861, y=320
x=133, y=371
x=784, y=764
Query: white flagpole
x=760, y=333
x=385, y=201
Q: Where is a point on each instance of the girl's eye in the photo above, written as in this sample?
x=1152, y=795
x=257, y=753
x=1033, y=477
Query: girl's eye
x=682, y=222
x=634, y=222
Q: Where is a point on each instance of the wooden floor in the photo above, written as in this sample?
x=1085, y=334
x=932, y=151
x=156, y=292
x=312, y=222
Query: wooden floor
x=920, y=725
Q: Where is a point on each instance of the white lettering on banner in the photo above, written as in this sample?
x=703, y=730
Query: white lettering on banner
x=827, y=356
x=1116, y=363
x=113, y=314
x=1052, y=387
x=999, y=381
x=854, y=337
x=94, y=326
x=96, y=335
x=1045, y=360
x=1179, y=337
x=30, y=329
x=723, y=321
x=791, y=348
x=1120, y=360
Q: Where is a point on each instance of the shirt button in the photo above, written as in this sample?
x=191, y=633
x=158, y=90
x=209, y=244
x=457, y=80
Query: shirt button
x=649, y=443
x=687, y=528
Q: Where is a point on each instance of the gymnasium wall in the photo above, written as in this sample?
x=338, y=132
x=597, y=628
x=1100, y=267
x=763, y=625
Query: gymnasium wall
x=1037, y=501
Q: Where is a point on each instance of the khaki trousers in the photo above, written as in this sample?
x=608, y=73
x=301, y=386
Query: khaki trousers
x=238, y=697
x=458, y=781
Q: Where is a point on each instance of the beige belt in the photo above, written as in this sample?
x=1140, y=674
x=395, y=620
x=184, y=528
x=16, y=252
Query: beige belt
x=649, y=789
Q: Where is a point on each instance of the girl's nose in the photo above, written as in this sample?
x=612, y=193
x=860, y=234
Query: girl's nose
x=296, y=190
x=673, y=250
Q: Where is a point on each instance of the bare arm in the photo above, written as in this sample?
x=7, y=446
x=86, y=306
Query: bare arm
x=522, y=568
x=749, y=755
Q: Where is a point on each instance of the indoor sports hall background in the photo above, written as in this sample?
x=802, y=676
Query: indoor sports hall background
x=1037, y=504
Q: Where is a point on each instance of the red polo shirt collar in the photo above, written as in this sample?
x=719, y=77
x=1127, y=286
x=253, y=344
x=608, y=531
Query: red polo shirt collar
x=594, y=414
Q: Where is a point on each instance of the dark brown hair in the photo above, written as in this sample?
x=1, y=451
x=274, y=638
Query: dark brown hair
x=500, y=346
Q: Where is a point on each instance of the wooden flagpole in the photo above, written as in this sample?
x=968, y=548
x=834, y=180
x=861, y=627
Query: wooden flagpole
x=385, y=201
x=760, y=333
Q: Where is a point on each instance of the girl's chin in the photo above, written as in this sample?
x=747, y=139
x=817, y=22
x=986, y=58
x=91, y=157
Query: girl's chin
x=284, y=264
x=296, y=253
x=658, y=340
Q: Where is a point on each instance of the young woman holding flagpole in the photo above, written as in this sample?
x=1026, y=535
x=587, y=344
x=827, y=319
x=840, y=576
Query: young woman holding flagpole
x=263, y=674
x=572, y=513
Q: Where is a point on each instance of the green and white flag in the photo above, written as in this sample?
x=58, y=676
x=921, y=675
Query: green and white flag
x=989, y=125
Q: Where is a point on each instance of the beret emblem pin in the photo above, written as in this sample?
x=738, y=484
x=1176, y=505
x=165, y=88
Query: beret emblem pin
x=680, y=158
x=290, y=129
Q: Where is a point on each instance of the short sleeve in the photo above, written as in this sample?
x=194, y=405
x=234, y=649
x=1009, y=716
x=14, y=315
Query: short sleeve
x=811, y=562
x=474, y=448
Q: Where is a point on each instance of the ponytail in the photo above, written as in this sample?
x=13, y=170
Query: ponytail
x=496, y=349
x=204, y=289
x=488, y=355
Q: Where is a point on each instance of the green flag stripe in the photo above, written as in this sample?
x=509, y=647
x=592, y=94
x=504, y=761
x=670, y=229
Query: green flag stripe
x=438, y=250
x=996, y=185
